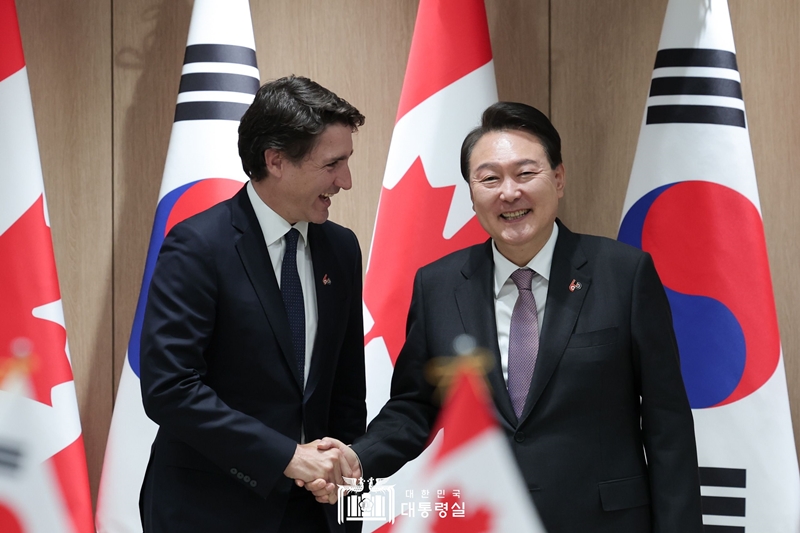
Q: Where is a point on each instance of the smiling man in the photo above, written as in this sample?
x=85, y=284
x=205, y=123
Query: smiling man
x=252, y=344
x=586, y=381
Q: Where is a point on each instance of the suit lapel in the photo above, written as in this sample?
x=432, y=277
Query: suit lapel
x=332, y=293
x=475, y=300
x=252, y=251
x=561, y=311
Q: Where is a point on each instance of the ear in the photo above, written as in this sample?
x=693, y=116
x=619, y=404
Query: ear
x=471, y=197
x=275, y=162
x=561, y=179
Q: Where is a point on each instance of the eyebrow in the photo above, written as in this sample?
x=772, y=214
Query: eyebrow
x=518, y=163
x=340, y=158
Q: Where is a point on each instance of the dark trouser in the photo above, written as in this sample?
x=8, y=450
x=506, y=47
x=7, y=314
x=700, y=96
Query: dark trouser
x=303, y=514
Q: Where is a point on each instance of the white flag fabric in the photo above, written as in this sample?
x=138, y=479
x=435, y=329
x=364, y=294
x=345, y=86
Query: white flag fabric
x=218, y=82
x=692, y=203
x=424, y=210
x=44, y=485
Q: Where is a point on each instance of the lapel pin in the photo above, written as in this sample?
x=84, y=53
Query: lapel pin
x=575, y=286
x=326, y=280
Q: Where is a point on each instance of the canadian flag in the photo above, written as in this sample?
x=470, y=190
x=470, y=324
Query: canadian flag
x=44, y=485
x=693, y=203
x=424, y=210
x=218, y=82
x=472, y=479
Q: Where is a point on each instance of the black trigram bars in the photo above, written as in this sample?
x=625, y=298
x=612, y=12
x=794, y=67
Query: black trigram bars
x=10, y=458
x=695, y=85
x=216, y=81
x=723, y=505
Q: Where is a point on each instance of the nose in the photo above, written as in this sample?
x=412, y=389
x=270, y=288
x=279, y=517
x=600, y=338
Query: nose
x=509, y=190
x=344, y=180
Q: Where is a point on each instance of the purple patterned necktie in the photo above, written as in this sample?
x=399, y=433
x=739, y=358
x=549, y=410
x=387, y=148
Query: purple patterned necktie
x=523, y=340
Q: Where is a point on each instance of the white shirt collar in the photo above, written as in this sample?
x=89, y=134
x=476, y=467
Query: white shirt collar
x=541, y=262
x=272, y=224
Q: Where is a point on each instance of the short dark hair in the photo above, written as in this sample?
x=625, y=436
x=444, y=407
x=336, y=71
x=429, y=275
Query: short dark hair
x=504, y=116
x=288, y=114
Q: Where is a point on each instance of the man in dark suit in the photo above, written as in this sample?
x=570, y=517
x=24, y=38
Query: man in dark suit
x=252, y=345
x=586, y=380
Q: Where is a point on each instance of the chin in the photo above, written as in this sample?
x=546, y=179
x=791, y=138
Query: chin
x=519, y=236
x=319, y=218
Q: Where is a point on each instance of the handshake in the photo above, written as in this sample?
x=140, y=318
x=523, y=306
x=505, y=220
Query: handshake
x=321, y=465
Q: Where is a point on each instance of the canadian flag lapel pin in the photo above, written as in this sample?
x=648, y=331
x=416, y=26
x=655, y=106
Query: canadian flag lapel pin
x=575, y=286
x=326, y=280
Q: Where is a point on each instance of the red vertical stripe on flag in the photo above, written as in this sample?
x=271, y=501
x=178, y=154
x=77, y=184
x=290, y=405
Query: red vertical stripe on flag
x=9, y=522
x=11, y=57
x=451, y=39
x=71, y=470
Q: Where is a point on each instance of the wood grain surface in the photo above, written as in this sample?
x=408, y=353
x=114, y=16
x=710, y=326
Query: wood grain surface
x=104, y=79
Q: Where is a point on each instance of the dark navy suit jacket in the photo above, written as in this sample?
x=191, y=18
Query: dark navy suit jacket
x=219, y=376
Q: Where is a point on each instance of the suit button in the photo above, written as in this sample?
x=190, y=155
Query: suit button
x=519, y=436
x=247, y=479
x=240, y=475
x=233, y=471
x=253, y=483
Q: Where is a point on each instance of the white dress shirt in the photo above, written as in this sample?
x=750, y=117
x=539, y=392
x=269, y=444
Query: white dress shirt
x=506, y=293
x=275, y=228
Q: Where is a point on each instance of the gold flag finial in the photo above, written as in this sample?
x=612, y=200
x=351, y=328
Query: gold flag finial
x=440, y=371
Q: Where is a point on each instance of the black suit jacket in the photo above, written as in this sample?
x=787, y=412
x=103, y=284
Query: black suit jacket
x=607, y=360
x=219, y=376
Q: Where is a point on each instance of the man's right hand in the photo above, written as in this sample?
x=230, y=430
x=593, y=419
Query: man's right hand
x=350, y=467
x=314, y=462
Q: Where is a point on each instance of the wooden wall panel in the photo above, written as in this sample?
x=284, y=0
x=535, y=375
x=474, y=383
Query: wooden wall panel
x=67, y=48
x=767, y=37
x=149, y=41
x=601, y=60
x=602, y=57
x=520, y=33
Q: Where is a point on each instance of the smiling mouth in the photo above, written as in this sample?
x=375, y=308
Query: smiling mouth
x=514, y=215
x=326, y=195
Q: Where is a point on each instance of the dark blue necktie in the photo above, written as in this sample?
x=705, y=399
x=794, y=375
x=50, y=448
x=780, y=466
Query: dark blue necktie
x=292, y=293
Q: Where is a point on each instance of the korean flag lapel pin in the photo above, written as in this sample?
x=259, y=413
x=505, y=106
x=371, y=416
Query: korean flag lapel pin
x=326, y=280
x=575, y=286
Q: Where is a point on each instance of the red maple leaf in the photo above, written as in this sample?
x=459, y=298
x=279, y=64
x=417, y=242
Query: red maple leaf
x=28, y=280
x=408, y=235
x=36, y=346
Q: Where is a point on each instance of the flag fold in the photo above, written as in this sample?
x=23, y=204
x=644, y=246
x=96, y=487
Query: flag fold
x=424, y=211
x=692, y=203
x=218, y=81
x=44, y=485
